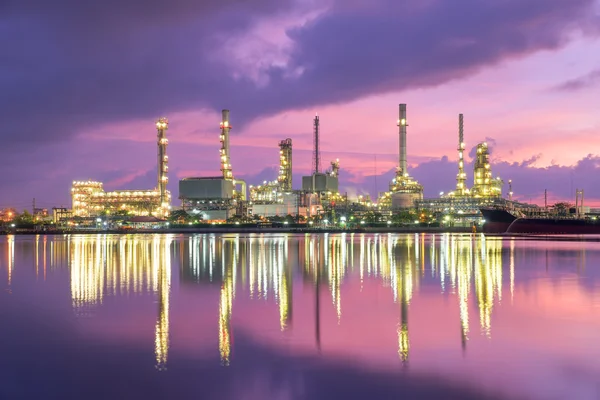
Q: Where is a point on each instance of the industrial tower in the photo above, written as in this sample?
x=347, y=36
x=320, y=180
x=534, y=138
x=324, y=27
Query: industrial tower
x=316, y=155
x=403, y=169
x=224, y=138
x=461, y=177
x=483, y=183
x=285, y=165
x=403, y=190
x=324, y=184
x=163, y=160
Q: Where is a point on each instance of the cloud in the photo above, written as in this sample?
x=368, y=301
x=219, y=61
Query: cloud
x=69, y=66
x=588, y=80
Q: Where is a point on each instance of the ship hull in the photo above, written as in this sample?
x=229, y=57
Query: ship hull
x=552, y=226
x=496, y=220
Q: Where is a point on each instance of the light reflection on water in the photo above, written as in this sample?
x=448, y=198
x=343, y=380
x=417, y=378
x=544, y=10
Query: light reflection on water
x=469, y=270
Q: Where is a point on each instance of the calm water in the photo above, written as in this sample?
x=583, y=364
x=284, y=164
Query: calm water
x=298, y=317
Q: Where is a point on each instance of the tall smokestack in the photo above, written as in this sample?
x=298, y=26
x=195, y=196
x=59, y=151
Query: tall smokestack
x=402, y=131
x=461, y=178
x=163, y=168
x=316, y=155
x=224, y=138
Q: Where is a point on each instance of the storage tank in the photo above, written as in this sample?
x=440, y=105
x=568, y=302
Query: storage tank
x=405, y=200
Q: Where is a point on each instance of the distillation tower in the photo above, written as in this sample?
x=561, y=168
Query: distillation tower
x=163, y=164
x=226, y=160
x=272, y=192
x=224, y=138
x=403, y=190
x=285, y=165
x=484, y=186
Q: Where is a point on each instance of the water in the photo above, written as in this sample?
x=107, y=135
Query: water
x=298, y=317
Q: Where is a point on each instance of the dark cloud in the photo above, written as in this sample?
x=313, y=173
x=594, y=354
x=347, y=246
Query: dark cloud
x=350, y=52
x=68, y=65
x=588, y=80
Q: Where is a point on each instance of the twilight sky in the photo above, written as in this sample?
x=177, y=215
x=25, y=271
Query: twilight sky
x=82, y=84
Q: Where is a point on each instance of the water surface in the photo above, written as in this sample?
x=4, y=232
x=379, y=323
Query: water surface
x=298, y=317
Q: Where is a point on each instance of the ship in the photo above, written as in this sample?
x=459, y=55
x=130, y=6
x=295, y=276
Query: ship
x=499, y=220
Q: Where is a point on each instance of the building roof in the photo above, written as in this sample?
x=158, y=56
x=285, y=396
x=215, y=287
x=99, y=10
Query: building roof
x=201, y=178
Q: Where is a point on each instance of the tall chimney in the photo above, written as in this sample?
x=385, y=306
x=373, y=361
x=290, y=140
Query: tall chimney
x=402, y=131
x=316, y=155
x=461, y=178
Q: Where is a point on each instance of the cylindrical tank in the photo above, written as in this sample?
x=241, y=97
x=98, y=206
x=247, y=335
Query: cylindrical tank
x=405, y=200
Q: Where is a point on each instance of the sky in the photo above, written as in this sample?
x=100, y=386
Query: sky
x=83, y=83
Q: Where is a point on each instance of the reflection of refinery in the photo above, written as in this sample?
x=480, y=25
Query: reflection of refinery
x=107, y=266
x=263, y=268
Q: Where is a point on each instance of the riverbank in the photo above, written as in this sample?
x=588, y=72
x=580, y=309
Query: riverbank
x=237, y=230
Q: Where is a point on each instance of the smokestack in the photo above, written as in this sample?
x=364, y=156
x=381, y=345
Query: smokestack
x=224, y=138
x=316, y=155
x=402, y=131
x=461, y=178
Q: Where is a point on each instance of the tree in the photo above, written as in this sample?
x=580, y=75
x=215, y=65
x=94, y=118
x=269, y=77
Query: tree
x=179, y=217
x=403, y=217
x=24, y=218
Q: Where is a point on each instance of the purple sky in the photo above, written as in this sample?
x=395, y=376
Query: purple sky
x=82, y=84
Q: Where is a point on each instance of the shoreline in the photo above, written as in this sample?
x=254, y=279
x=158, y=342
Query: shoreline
x=221, y=230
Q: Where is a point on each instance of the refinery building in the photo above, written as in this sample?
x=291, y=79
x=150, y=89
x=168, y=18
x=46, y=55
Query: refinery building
x=218, y=198
x=89, y=198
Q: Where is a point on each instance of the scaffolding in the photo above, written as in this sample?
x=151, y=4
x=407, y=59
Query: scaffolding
x=285, y=165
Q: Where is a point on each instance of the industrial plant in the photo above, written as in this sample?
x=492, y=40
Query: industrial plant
x=462, y=204
x=90, y=199
x=404, y=190
x=218, y=199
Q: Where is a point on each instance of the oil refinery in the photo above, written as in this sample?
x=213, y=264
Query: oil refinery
x=220, y=198
x=90, y=199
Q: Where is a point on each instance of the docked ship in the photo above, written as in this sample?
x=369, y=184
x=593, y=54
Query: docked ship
x=498, y=220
